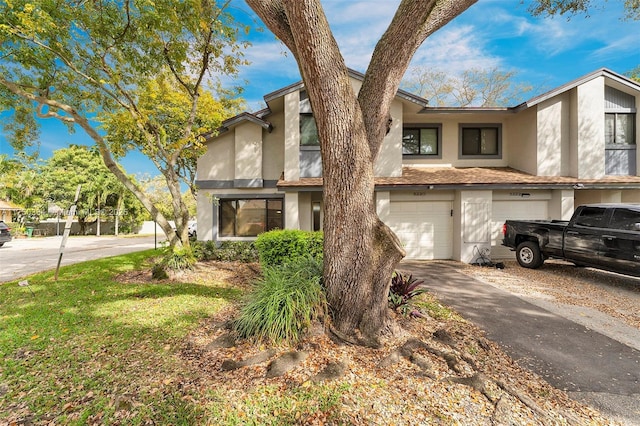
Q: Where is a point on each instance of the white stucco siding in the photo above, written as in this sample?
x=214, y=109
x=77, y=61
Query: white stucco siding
x=590, y=129
x=273, y=148
x=553, y=130
x=451, y=139
x=292, y=136
x=217, y=163
x=520, y=140
x=248, y=152
x=204, y=209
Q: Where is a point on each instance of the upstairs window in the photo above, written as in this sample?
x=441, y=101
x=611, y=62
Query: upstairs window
x=619, y=129
x=420, y=140
x=481, y=140
x=308, y=131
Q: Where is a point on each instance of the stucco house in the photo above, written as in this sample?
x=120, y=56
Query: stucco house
x=447, y=178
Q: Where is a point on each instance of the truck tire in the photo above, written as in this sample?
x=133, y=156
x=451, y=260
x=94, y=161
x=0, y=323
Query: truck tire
x=528, y=255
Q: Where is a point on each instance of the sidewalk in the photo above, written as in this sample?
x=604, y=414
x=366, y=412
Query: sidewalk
x=26, y=256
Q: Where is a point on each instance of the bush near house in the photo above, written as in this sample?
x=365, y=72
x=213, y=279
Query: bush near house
x=282, y=246
x=227, y=251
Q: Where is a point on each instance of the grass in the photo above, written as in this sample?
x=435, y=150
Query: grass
x=89, y=349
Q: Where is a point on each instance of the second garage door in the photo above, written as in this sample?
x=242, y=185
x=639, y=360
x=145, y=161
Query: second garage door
x=513, y=210
x=424, y=228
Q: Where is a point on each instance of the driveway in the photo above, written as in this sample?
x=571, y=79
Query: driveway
x=548, y=339
x=22, y=257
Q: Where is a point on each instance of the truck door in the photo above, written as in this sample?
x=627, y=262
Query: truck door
x=622, y=239
x=583, y=236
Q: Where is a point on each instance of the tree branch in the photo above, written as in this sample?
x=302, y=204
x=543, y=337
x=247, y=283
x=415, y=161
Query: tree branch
x=107, y=158
x=273, y=15
x=392, y=55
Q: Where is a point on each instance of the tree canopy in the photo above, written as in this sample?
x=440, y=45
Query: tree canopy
x=474, y=87
x=101, y=196
x=133, y=75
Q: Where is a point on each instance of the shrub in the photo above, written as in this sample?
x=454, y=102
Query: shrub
x=281, y=246
x=283, y=302
x=158, y=272
x=403, y=289
x=242, y=251
x=179, y=259
x=203, y=250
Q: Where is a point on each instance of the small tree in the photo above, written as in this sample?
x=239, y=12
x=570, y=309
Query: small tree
x=138, y=68
x=59, y=177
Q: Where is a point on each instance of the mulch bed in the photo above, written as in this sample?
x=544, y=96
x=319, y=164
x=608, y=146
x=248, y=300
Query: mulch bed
x=454, y=376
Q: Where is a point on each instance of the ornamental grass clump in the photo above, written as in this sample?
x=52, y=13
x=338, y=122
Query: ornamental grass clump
x=283, y=302
x=179, y=259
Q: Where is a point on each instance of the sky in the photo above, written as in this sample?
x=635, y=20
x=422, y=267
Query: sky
x=543, y=52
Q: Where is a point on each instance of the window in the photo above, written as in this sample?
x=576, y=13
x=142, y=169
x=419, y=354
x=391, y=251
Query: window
x=308, y=131
x=625, y=219
x=592, y=217
x=619, y=129
x=421, y=140
x=481, y=140
x=248, y=218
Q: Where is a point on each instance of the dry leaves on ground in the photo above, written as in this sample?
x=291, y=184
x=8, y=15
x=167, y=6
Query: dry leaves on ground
x=484, y=387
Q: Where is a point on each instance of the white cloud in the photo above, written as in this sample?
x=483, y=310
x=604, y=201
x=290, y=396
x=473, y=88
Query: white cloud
x=456, y=49
x=616, y=47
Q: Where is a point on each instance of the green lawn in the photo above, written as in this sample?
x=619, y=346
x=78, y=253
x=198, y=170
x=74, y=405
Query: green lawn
x=94, y=349
x=77, y=350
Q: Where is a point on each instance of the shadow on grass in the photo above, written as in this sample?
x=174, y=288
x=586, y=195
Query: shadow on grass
x=88, y=332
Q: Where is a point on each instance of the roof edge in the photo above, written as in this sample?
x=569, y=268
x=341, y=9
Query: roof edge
x=353, y=74
x=602, y=72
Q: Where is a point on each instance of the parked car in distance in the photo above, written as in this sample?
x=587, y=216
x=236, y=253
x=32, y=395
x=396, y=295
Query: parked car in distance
x=603, y=236
x=5, y=233
x=193, y=228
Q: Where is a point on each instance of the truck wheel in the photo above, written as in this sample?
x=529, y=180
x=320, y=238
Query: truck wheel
x=528, y=255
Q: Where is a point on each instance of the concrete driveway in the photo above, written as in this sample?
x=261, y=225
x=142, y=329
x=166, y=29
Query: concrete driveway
x=590, y=366
x=22, y=257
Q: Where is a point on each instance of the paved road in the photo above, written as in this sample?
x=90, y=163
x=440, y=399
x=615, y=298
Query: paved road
x=589, y=366
x=22, y=257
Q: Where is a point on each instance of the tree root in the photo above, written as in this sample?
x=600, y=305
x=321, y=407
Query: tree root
x=455, y=361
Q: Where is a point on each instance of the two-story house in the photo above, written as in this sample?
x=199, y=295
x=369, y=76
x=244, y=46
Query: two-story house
x=447, y=178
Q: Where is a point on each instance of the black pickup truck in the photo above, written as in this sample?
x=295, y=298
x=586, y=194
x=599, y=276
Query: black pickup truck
x=603, y=236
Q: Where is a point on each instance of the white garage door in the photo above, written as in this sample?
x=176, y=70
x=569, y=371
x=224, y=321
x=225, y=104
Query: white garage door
x=424, y=228
x=512, y=210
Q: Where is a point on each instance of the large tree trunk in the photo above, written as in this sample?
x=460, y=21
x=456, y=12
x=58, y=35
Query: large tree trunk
x=360, y=252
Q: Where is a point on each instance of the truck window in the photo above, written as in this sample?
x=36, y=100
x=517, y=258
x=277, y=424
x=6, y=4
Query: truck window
x=592, y=217
x=624, y=219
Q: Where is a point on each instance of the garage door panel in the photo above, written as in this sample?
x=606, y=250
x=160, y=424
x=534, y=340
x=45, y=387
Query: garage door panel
x=424, y=228
x=513, y=210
